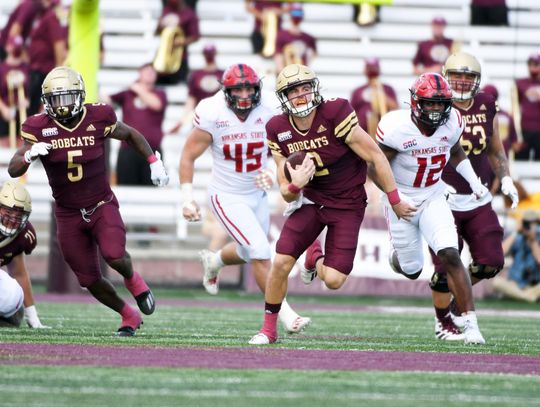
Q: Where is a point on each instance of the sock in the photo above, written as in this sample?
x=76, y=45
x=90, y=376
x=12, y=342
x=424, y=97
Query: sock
x=219, y=260
x=442, y=312
x=286, y=314
x=130, y=317
x=136, y=284
x=271, y=312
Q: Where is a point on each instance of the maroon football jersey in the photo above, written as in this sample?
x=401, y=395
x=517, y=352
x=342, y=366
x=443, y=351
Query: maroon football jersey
x=139, y=116
x=361, y=101
x=341, y=174
x=433, y=52
x=203, y=83
x=24, y=242
x=529, y=102
x=507, y=131
x=475, y=141
x=295, y=44
x=47, y=30
x=75, y=165
x=24, y=15
x=5, y=68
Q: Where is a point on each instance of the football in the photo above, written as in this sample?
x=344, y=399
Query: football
x=294, y=159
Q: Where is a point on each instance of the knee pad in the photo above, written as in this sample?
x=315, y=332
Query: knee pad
x=483, y=271
x=439, y=283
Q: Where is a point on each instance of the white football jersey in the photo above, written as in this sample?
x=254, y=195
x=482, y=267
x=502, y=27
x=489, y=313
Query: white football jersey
x=418, y=166
x=239, y=149
x=11, y=295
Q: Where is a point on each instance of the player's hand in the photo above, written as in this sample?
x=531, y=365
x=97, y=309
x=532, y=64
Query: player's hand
x=191, y=211
x=509, y=189
x=303, y=172
x=37, y=150
x=265, y=179
x=32, y=319
x=479, y=190
x=158, y=174
x=404, y=210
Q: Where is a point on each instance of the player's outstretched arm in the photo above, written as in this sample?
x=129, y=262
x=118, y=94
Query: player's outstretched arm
x=196, y=144
x=19, y=163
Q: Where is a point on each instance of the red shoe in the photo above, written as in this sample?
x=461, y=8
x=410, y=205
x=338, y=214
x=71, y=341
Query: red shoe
x=313, y=253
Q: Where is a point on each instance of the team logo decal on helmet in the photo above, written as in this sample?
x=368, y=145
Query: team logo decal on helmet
x=431, y=87
x=15, y=208
x=240, y=76
x=63, y=93
x=292, y=76
x=463, y=72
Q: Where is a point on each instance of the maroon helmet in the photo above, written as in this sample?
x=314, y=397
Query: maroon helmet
x=241, y=76
x=431, y=87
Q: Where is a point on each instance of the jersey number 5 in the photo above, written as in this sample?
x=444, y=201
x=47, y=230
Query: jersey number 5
x=438, y=161
x=253, y=156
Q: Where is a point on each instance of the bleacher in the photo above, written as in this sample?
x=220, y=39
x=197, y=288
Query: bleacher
x=129, y=42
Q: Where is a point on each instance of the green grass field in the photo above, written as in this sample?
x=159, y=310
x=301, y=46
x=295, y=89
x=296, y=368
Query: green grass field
x=231, y=326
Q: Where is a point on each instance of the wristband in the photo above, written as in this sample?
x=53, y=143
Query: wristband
x=27, y=158
x=393, y=197
x=151, y=159
x=186, y=191
x=293, y=189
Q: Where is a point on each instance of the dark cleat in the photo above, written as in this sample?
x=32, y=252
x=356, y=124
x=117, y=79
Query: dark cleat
x=146, y=302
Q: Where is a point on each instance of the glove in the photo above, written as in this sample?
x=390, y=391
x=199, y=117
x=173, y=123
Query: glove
x=158, y=174
x=32, y=319
x=508, y=188
x=265, y=179
x=479, y=190
x=36, y=150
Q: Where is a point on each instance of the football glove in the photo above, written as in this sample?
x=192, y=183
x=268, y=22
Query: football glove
x=509, y=189
x=36, y=150
x=158, y=174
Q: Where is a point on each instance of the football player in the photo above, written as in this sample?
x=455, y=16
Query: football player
x=232, y=124
x=17, y=239
x=475, y=219
x=69, y=139
x=419, y=143
x=329, y=194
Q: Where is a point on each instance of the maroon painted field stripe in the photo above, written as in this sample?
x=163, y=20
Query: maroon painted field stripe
x=263, y=358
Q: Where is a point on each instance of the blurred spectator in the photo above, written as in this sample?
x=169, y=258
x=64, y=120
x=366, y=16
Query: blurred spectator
x=176, y=13
x=19, y=23
x=293, y=46
x=202, y=83
x=528, y=105
x=374, y=99
x=259, y=9
x=489, y=12
x=47, y=47
x=431, y=54
x=143, y=108
x=507, y=130
x=14, y=77
x=523, y=280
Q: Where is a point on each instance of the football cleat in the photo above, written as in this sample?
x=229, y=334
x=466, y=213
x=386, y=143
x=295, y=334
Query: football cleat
x=211, y=271
x=297, y=325
x=146, y=302
x=445, y=330
x=130, y=325
x=471, y=330
x=309, y=270
x=261, y=339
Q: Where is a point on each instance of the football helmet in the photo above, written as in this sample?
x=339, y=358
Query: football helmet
x=431, y=87
x=15, y=208
x=241, y=76
x=463, y=63
x=62, y=93
x=292, y=76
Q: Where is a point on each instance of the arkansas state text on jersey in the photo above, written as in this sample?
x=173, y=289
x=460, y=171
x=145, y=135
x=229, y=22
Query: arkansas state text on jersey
x=418, y=166
x=239, y=148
